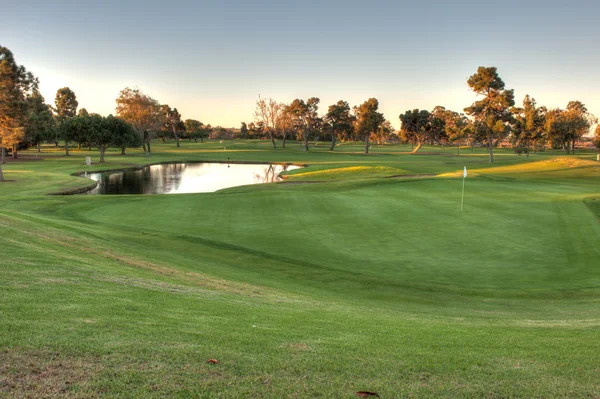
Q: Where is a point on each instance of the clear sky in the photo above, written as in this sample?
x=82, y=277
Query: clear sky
x=211, y=59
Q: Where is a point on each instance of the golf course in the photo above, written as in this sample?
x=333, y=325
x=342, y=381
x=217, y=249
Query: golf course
x=357, y=272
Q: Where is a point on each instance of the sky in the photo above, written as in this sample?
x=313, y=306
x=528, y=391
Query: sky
x=212, y=59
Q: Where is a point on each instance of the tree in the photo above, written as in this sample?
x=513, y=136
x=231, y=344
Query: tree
x=284, y=122
x=565, y=127
x=255, y=130
x=16, y=85
x=416, y=126
x=493, y=110
x=243, y=131
x=384, y=134
x=107, y=132
x=368, y=120
x=196, y=130
x=267, y=112
x=76, y=129
x=457, y=127
x=527, y=125
x=173, y=121
x=40, y=123
x=65, y=107
x=124, y=135
x=339, y=119
x=535, y=120
x=305, y=116
x=596, y=139
x=437, y=119
x=142, y=112
x=66, y=103
x=579, y=121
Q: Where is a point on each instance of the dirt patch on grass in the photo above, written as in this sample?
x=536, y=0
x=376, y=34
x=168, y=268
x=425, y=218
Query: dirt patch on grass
x=37, y=374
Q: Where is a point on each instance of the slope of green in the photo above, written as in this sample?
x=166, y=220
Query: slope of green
x=364, y=282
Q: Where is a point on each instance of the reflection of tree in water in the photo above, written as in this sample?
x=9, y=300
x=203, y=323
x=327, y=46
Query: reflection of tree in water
x=154, y=179
x=270, y=173
x=167, y=178
x=113, y=183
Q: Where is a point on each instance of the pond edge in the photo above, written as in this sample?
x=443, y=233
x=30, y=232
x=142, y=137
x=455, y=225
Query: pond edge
x=81, y=190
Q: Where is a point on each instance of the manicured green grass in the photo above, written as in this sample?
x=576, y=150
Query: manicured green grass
x=359, y=282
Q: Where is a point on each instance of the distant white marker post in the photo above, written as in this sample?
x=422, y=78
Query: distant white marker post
x=462, y=201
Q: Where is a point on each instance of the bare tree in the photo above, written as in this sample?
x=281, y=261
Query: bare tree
x=284, y=122
x=267, y=112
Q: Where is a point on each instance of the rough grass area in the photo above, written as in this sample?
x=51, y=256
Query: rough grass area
x=359, y=283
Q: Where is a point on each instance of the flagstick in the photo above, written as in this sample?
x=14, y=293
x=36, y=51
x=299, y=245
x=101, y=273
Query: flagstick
x=462, y=201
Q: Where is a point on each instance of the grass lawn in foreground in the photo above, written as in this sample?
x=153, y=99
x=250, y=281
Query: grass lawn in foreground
x=359, y=282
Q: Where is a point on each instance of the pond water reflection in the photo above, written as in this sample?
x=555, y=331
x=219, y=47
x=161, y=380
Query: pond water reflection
x=183, y=178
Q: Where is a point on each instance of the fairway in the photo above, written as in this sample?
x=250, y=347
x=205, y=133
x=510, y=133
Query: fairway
x=357, y=272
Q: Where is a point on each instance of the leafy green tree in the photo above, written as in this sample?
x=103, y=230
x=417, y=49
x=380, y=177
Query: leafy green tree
x=527, y=125
x=493, y=110
x=173, y=122
x=83, y=112
x=66, y=103
x=368, y=120
x=65, y=107
x=243, y=131
x=384, y=134
x=40, y=123
x=16, y=85
x=565, y=127
x=438, y=132
x=196, y=130
x=457, y=127
x=143, y=113
x=305, y=116
x=74, y=129
x=416, y=127
x=125, y=137
x=101, y=132
x=339, y=119
x=255, y=130
x=579, y=121
x=535, y=120
x=105, y=132
x=596, y=138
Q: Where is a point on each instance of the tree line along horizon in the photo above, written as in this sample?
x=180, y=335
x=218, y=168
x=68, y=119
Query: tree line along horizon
x=27, y=121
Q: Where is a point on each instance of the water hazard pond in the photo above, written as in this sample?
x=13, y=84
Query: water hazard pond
x=181, y=178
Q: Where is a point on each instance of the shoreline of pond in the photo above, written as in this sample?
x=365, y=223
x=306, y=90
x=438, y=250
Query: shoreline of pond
x=133, y=167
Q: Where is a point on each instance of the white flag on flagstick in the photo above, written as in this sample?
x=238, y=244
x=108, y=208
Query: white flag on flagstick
x=465, y=172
